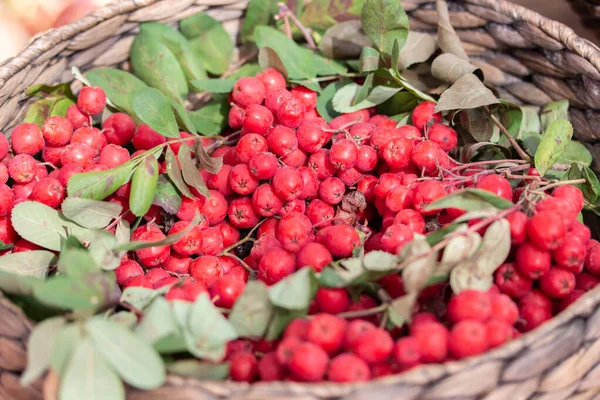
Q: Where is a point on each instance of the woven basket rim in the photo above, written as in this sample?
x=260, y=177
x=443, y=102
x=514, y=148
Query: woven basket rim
x=45, y=41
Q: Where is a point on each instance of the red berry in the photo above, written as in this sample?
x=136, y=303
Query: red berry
x=570, y=255
x=263, y=165
x=427, y=192
x=327, y=331
x=532, y=261
x=269, y=369
x=275, y=97
x=291, y=112
x=48, y=191
x=78, y=153
x=156, y=275
x=517, y=221
x=332, y=300
x=411, y=218
x=119, y=129
x=282, y=140
x=77, y=117
x=499, y=332
x=271, y=79
x=318, y=211
x=7, y=198
x=22, y=168
x=306, y=96
x=444, y=136
x=241, y=214
x=241, y=180
x=395, y=237
x=7, y=233
x=348, y=367
x=427, y=156
x=580, y=231
x=532, y=316
x=178, y=264
x=146, y=138
x=297, y=328
x=247, y=91
x=546, y=230
x=320, y=163
x=585, y=281
x=57, y=131
x=468, y=338
x=570, y=299
x=504, y=309
x=243, y=366
x=433, y=340
x=91, y=137
x=206, y=270
x=4, y=146
x=91, y=100
x=570, y=193
x=288, y=183
x=311, y=136
x=257, y=119
x=137, y=281
x=113, y=156
x=340, y=239
x=27, y=139
x=470, y=305
x=557, y=283
x=397, y=152
x=536, y=297
x=311, y=183
x=407, y=352
x=308, y=362
x=423, y=116
x=592, y=259
x=343, y=154
x=275, y=265
x=374, y=346
x=332, y=190
x=265, y=201
x=511, y=282
x=399, y=198
x=496, y=184
x=156, y=255
x=227, y=289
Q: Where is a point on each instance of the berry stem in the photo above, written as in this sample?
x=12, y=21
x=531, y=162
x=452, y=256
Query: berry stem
x=507, y=134
x=487, y=162
x=363, y=313
x=555, y=184
x=285, y=13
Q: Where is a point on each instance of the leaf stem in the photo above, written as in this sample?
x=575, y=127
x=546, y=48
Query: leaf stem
x=560, y=183
x=248, y=268
x=487, y=162
x=363, y=313
x=507, y=134
x=285, y=13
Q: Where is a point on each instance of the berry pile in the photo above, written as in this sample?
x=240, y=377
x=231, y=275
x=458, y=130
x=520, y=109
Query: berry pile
x=297, y=192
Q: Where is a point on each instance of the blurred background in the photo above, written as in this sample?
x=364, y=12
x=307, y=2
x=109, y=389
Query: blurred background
x=22, y=19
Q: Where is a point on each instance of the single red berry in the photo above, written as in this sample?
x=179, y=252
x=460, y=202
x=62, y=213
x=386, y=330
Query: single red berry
x=146, y=138
x=546, y=230
x=288, y=183
x=399, y=198
x=423, y=116
x=532, y=316
x=156, y=275
x=579, y=231
x=257, y=119
x=78, y=153
x=3, y=173
x=57, y=131
x=557, y=283
x=311, y=183
x=308, y=363
x=311, y=136
x=227, y=289
x=412, y=219
x=137, y=281
x=241, y=180
x=306, y=96
x=265, y=201
x=433, y=338
x=585, y=281
x=348, y=367
x=511, y=282
x=269, y=369
x=293, y=231
x=536, y=297
x=517, y=221
x=532, y=261
x=241, y=214
x=343, y=154
x=48, y=191
x=271, y=79
x=407, y=352
x=274, y=98
x=560, y=206
x=291, y=112
x=427, y=192
x=397, y=152
x=496, y=184
x=263, y=165
x=91, y=100
x=27, y=139
x=444, y=136
x=332, y=300
x=499, y=332
x=427, y=156
x=22, y=168
x=468, y=338
x=4, y=146
x=156, y=255
x=282, y=140
x=570, y=299
x=275, y=265
x=178, y=264
x=91, y=137
x=570, y=193
x=395, y=237
x=243, y=366
x=470, y=305
x=7, y=233
x=327, y=331
x=297, y=328
x=23, y=245
x=592, y=258
x=215, y=208
x=247, y=91
x=321, y=164
x=113, y=156
x=374, y=346
x=340, y=239
x=77, y=117
x=332, y=190
x=119, y=128
x=318, y=211
x=7, y=198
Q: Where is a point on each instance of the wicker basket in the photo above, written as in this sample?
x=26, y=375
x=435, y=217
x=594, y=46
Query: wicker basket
x=531, y=60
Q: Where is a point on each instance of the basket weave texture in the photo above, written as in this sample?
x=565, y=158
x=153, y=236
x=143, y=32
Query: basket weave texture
x=530, y=59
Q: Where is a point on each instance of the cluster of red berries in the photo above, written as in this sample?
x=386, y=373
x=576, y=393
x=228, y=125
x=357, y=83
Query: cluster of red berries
x=313, y=186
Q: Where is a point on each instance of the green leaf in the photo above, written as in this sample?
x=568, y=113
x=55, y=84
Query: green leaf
x=199, y=370
x=143, y=186
x=575, y=152
x=126, y=318
x=153, y=108
x=281, y=319
x=190, y=63
x=298, y=63
x=416, y=274
x=248, y=69
x=75, y=260
x=401, y=309
x=191, y=175
x=402, y=102
x=466, y=277
x=152, y=62
x=449, y=68
x=554, y=111
x=252, y=311
x=38, y=224
x=102, y=250
x=268, y=58
x=88, y=376
x=325, y=100
x=65, y=341
x=60, y=107
x=495, y=247
x=174, y=173
x=379, y=261
x=531, y=141
x=28, y=263
x=295, y=291
x=324, y=66
x=591, y=188
x=258, y=13
x=210, y=41
x=6, y=246
x=342, y=101
x=132, y=357
x=140, y=297
x=553, y=144
x=403, y=82
x=43, y=90
x=39, y=348
x=38, y=112
x=212, y=117
x=182, y=117
x=471, y=200
x=384, y=21
x=466, y=93
x=214, y=85
x=99, y=185
x=209, y=329
x=68, y=294
x=369, y=59
x=92, y=214
x=166, y=196
x=530, y=121
x=157, y=322
x=311, y=84
x=117, y=84
x=363, y=90
x=19, y=285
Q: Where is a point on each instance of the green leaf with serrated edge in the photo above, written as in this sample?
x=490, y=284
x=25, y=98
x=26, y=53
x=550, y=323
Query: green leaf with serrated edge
x=324, y=100
x=152, y=61
x=448, y=40
x=258, y=13
x=379, y=261
x=190, y=63
x=309, y=84
x=157, y=322
x=199, y=370
x=420, y=268
x=92, y=214
x=43, y=90
x=466, y=93
x=210, y=41
x=75, y=260
x=401, y=309
x=143, y=186
x=174, y=173
x=88, y=376
x=344, y=40
x=252, y=311
x=324, y=66
x=141, y=297
x=363, y=91
x=495, y=247
x=214, y=85
x=39, y=348
x=69, y=294
x=38, y=112
x=182, y=117
x=28, y=263
x=154, y=109
x=117, y=85
x=470, y=200
x=190, y=172
x=166, y=196
x=65, y=341
x=136, y=362
x=99, y=185
x=369, y=59
x=295, y=291
x=208, y=328
x=207, y=163
x=555, y=111
x=281, y=319
x=212, y=117
x=169, y=240
x=575, y=152
x=342, y=101
x=384, y=21
x=554, y=141
x=38, y=224
x=296, y=61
